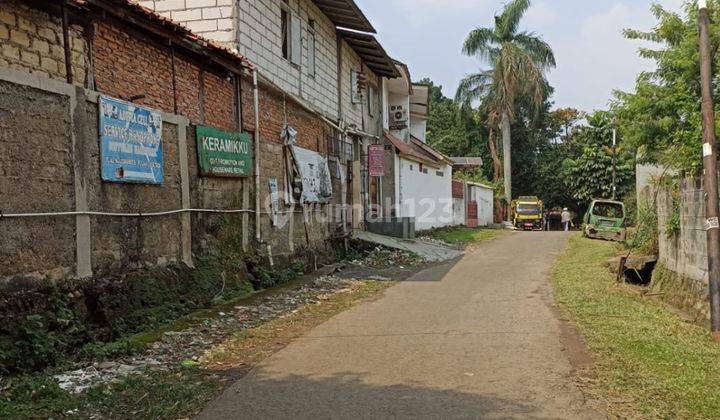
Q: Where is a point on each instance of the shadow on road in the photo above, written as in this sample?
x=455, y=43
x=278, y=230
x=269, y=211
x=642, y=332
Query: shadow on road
x=349, y=395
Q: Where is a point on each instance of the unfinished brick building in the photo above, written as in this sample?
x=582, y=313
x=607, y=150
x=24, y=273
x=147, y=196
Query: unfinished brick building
x=73, y=224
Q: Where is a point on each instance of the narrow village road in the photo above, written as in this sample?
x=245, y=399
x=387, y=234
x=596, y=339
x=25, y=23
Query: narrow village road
x=473, y=339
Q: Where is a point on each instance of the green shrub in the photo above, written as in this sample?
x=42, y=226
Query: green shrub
x=645, y=238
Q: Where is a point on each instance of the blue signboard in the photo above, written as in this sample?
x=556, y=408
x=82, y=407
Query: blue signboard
x=130, y=142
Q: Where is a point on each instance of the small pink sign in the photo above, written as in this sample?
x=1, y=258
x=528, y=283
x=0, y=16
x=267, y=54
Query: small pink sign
x=376, y=160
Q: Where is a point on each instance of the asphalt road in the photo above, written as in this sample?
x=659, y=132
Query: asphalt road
x=473, y=339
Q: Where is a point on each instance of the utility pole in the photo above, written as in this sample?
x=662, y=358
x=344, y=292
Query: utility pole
x=712, y=226
x=614, y=163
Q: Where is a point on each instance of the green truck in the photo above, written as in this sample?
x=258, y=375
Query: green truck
x=605, y=219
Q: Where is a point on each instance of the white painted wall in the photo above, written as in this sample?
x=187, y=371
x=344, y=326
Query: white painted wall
x=418, y=127
x=426, y=197
x=485, y=200
x=403, y=100
x=459, y=212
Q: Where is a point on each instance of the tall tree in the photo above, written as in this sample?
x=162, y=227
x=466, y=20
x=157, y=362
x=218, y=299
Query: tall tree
x=518, y=61
x=587, y=169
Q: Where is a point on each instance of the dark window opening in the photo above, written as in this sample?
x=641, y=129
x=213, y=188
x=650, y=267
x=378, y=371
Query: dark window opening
x=528, y=208
x=285, y=29
x=609, y=210
x=311, y=47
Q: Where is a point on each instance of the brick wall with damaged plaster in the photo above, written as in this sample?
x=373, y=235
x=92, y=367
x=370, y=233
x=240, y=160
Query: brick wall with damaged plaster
x=31, y=40
x=44, y=182
x=127, y=64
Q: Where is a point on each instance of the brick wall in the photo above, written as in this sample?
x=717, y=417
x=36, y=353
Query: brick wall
x=125, y=67
x=275, y=110
x=360, y=114
x=219, y=102
x=683, y=273
x=686, y=252
x=373, y=117
x=260, y=40
x=31, y=40
x=36, y=175
x=129, y=63
x=253, y=28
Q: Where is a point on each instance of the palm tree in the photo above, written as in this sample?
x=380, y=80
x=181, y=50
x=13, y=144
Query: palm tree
x=518, y=63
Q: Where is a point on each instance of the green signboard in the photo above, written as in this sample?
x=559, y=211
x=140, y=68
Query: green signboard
x=223, y=153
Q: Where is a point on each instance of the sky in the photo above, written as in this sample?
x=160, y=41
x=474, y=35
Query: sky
x=593, y=58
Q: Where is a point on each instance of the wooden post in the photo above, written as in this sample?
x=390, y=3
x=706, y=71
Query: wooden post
x=710, y=165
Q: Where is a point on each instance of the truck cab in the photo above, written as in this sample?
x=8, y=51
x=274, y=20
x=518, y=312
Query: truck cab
x=527, y=213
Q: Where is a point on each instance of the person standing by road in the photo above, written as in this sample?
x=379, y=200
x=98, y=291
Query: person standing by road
x=566, y=218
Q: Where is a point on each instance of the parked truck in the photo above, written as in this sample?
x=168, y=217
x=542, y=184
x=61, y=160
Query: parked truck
x=527, y=213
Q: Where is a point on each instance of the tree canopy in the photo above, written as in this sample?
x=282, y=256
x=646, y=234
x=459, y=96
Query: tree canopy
x=517, y=63
x=565, y=155
x=661, y=119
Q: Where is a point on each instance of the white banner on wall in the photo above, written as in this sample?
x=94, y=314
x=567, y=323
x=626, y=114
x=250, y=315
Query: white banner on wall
x=315, y=174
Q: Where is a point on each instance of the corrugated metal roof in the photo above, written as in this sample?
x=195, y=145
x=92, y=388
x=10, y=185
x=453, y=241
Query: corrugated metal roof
x=371, y=52
x=429, y=150
x=346, y=14
x=479, y=184
x=467, y=161
x=417, y=151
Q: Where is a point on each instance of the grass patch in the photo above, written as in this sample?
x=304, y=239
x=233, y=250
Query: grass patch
x=155, y=395
x=644, y=352
x=465, y=235
x=183, y=391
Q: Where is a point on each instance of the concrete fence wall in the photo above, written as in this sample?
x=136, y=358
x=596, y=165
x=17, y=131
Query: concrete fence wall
x=683, y=268
x=50, y=162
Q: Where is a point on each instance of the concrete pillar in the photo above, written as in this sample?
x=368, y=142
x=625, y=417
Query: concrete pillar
x=185, y=217
x=79, y=139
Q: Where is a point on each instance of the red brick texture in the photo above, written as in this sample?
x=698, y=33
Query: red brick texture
x=126, y=65
x=275, y=110
x=219, y=102
x=458, y=189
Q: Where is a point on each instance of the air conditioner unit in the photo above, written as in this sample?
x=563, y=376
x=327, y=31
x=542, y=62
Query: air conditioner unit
x=398, y=114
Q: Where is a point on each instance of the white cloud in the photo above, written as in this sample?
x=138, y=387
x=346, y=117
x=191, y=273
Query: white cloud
x=540, y=15
x=598, y=59
x=586, y=35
